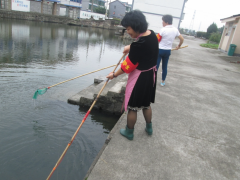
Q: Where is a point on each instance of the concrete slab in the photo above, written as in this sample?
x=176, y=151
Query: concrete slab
x=111, y=98
x=196, y=124
x=118, y=88
x=99, y=79
x=86, y=93
x=112, y=83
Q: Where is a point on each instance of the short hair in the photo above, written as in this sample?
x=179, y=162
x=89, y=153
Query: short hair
x=136, y=20
x=167, y=19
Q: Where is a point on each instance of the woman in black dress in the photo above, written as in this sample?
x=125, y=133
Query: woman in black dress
x=140, y=64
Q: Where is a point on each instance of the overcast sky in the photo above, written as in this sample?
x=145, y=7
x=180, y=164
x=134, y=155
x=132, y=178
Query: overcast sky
x=207, y=12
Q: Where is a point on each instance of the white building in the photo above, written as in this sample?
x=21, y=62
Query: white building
x=71, y=3
x=154, y=10
x=70, y=8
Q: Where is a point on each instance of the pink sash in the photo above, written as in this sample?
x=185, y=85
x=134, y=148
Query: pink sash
x=132, y=79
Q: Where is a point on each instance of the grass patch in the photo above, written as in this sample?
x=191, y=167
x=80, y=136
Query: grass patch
x=208, y=45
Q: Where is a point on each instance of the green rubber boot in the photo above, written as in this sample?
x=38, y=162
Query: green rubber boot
x=148, y=128
x=128, y=133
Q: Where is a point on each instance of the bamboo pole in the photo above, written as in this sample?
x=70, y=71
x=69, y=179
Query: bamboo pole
x=81, y=76
x=84, y=119
x=179, y=48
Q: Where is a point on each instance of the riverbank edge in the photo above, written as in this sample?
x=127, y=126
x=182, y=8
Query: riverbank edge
x=110, y=135
x=194, y=137
x=34, y=16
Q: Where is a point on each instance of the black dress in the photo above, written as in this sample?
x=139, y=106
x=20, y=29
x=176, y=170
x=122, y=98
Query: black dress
x=145, y=52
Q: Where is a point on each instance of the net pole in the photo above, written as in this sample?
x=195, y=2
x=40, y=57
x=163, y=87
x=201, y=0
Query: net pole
x=84, y=119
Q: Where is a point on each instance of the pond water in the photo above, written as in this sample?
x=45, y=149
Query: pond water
x=34, y=133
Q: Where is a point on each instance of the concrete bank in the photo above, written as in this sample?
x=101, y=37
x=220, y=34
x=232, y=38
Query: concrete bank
x=111, y=98
x=34, y=16
x=196, y=123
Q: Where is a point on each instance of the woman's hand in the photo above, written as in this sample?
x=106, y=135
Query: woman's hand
x=110, y=75
x=115, y=74
x=126, y=49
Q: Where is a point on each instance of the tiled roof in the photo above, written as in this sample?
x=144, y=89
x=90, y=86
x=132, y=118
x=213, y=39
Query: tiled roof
x=231, y=16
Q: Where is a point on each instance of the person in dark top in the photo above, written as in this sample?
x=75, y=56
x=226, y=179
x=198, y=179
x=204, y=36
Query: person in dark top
x=140, y=64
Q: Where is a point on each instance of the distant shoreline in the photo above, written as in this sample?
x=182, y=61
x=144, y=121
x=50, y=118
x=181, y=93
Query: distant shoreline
x=33, y=16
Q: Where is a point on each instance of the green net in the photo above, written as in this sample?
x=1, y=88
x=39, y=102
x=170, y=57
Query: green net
x=39, y=92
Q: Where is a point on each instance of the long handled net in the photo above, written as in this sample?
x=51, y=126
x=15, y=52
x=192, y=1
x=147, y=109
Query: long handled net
x=84, y=119
x=44, y=90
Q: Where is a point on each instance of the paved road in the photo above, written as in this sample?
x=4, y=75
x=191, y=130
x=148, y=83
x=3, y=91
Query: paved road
x=196, y=123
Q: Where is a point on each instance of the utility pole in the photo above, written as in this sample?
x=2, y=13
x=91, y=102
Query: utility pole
x=199, y=26
x=92, y=6
x=192, y=22
x=106, y=10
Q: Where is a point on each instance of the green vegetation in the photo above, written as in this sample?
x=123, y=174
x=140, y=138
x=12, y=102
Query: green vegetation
x=212, y=28
x=100, y=10
x=215, y=37
x=201, y=34
x=213, y=33
x=187, y=32
x=208, y=45
x=220, y=30
x=117, y=21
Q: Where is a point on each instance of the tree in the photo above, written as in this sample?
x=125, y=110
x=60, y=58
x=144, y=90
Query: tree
x=212, y=28
x=117, y=21
x=220, y=30
x=201, y=34
x=100, y=10
x=215, y=37
x=181, y=30
x=192, y=32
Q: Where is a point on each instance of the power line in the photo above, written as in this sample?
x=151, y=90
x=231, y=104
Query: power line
x=192, y=22
x=204, y=12
x=199, y=26
x=164, y=6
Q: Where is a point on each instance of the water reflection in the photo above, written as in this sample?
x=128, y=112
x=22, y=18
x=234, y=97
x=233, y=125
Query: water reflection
x=106, y=120
x=40, y=130
x=35, y=55
x=24, y=42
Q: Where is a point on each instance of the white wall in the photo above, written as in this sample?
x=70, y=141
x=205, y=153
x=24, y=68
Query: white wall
x=68, y=2
x=155, y=9
x=21, y=5
x=173, y=7
x=155, y=22
x=87, y=15
x=62, y=11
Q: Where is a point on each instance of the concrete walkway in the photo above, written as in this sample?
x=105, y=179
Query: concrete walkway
x=196, y=121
